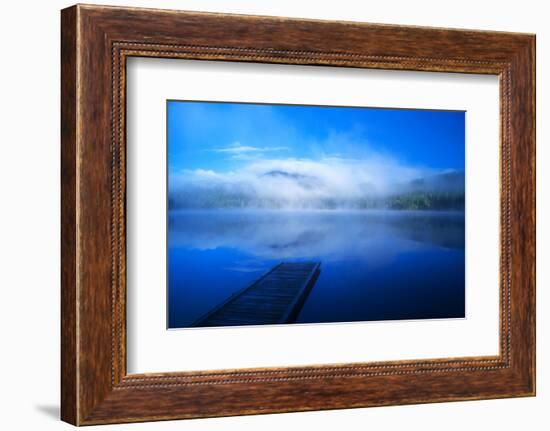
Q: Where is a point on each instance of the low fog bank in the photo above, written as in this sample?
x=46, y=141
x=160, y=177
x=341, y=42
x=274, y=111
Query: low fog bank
x=330, y=184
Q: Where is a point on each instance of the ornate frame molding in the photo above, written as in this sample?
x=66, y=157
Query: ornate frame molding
x=96, y=41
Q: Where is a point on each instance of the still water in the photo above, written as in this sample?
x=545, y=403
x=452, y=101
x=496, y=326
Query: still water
x=375, y=265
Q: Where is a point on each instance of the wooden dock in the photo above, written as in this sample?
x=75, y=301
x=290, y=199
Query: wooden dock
x=276, y=297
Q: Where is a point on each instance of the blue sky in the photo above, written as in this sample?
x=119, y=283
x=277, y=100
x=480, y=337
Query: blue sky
x=228, y=137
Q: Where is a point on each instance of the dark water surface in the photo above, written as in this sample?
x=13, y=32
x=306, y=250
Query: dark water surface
x=375, y=265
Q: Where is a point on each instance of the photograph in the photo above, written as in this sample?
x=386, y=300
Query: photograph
x=301, y=214
x=275, y=210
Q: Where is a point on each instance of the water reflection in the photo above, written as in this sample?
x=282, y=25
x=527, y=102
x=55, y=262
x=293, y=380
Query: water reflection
x=332, y=234
x=376, y=265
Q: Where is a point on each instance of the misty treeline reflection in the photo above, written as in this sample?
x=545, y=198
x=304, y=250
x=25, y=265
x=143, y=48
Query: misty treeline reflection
x=375, y=264
x=287, y=234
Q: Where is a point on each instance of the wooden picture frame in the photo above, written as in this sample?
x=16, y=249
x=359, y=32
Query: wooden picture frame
x=95, y=43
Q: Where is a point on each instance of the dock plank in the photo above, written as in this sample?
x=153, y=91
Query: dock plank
x=276, y=297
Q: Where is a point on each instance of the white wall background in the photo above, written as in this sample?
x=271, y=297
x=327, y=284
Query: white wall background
x=29, y=224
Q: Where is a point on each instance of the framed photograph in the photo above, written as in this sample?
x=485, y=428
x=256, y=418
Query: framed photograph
x=264, y=215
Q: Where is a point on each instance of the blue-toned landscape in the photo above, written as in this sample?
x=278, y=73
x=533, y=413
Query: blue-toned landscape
x=282, y=214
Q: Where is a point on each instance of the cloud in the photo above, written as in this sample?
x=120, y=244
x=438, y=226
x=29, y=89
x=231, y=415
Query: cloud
x=294, y=183
x=237, y=149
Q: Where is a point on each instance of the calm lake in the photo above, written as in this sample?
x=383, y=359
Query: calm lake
x=375, y=264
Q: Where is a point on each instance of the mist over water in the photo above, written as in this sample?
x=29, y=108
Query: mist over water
x=375, y=264
x=329, y=183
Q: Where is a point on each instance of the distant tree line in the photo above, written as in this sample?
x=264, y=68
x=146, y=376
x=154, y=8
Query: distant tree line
x=443, y=191
x=405, y=201
x=427, y=201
